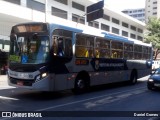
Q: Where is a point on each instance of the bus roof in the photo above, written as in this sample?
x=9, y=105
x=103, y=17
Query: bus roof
x=57, y=26
x=116, y=38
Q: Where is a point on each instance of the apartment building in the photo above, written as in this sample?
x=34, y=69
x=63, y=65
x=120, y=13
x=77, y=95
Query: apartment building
x=136, y=13
x=64, y=12
x=152, y=9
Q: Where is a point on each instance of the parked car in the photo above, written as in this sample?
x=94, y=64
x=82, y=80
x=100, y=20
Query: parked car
x=154, y=80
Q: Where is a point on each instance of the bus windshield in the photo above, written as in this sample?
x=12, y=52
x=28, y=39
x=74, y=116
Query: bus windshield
x=25, y=49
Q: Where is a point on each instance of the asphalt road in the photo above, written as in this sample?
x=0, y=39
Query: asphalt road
x=109, y=102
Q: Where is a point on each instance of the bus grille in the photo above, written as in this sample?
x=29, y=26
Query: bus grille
x=25, y=82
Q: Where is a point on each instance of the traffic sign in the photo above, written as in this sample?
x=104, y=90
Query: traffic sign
x=95, y=11
x=95, y=15
x=95, y=6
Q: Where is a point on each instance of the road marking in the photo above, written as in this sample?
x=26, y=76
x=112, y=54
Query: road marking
x=6, y=87
x=79, y=101
x=8, y=98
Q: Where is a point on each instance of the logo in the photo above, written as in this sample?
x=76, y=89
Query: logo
x=6, y=114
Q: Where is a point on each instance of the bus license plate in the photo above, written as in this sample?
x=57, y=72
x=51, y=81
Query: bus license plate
x=20, y=83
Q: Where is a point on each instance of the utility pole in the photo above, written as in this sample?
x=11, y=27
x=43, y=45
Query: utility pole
x=46, y=10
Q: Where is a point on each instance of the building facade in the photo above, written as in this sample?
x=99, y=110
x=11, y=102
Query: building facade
x=152, y=9
x=136, y=13
x=64, y=12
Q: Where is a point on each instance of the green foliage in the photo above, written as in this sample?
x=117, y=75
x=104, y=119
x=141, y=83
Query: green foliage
x=153, y=32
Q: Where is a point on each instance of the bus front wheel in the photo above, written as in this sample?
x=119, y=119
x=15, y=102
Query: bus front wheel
x=133, y=77
x=81, y=83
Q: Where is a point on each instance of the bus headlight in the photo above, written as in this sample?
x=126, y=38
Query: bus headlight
x=150, y=80
x=44, y=75
x=41, y=76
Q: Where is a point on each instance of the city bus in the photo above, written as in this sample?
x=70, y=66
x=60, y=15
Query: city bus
x=53, y=57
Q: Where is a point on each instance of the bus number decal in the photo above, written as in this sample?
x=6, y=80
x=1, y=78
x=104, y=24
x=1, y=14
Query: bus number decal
x=81, y=62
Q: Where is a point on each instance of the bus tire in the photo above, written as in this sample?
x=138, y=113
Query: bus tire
x=81, y=84
x=133, y=77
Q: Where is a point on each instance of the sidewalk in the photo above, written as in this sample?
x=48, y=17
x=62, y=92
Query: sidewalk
x=3, y=80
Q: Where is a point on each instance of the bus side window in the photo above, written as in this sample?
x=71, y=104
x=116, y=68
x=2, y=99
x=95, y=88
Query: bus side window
x=68, y=48
x=54, y=45
x=60, y=47
x=97, y=54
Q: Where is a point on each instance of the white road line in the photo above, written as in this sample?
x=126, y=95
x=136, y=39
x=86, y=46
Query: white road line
x=7, y=98
x=62, y=105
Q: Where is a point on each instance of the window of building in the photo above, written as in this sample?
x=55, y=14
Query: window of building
x=155, y=2
x=124, y=33
x=154, y=13
x=62, y=1
x=140, y=30
x=59, y=13
x=124, y=24
x=154, y=7
x=14, y=1
x=133, y=36
x=140, y=10
x=105, y=27
x=77, y=18
x=84, y=45
x=93, y=24
x=78, y=6
x=115, y=30
x=115, y=21
x=134, y=11
x=36, y=5
x=106, y=17
x=133, y=28
x=139, y=38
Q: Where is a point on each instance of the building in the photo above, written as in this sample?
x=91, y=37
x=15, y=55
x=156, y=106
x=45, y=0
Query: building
x=152, y=9
x=64, y=12
x=136, y=13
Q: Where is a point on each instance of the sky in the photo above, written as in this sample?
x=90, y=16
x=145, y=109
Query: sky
x=125, y=4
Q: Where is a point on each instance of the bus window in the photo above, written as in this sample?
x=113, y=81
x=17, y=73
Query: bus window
x=97, y=53
x=102, y=49
x=68, y=48
x=62, y=44
x=117, y=48
x=54, y=45
x=60, y=51
x=84, y=45
x=128, y=51
x=137, y=52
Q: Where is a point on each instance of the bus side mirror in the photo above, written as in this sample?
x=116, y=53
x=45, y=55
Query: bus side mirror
x=13, y=37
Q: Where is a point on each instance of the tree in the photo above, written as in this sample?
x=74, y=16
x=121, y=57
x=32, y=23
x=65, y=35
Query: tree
x=153, y=34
